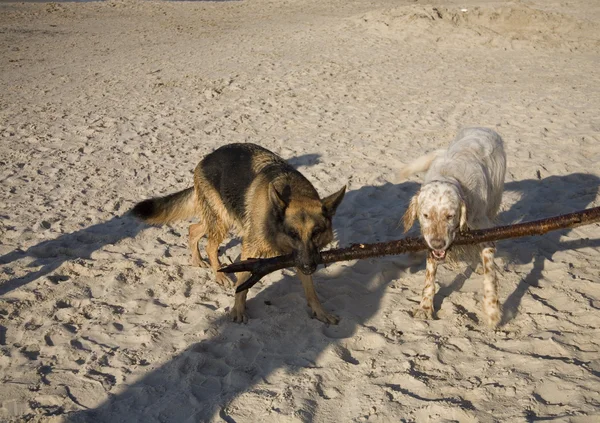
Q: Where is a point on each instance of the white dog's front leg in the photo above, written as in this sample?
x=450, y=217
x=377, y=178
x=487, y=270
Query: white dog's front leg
x=491, y=305
x=425, y=309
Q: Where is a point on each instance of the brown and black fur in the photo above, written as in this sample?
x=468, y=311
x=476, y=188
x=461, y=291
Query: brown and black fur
x=274, y=208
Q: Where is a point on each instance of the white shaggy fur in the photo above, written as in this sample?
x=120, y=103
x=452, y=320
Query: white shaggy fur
x=462, y=189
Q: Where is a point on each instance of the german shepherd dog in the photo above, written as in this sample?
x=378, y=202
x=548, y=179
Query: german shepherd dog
x=274, y=208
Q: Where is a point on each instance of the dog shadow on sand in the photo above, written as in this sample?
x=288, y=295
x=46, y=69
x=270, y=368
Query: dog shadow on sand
x=199, y=383
x=49, y=255
x=538, y=199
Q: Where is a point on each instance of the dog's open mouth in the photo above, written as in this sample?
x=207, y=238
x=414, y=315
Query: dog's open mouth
x=439, y=254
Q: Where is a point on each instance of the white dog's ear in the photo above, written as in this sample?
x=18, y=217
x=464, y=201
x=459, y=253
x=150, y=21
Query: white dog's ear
x=463, y=216
x=411, y=213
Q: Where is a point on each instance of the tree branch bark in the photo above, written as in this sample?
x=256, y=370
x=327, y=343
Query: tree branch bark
x=262, y=267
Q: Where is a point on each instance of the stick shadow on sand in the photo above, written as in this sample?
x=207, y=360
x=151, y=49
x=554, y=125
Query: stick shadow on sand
x=199, y=383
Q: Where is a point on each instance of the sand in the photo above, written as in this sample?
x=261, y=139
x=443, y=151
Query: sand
x=103, y=319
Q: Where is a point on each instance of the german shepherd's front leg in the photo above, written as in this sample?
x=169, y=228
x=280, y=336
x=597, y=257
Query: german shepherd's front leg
x=313, y=300
x=238, y=313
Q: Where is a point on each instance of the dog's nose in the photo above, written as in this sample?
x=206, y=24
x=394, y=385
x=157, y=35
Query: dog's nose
x=437, y=244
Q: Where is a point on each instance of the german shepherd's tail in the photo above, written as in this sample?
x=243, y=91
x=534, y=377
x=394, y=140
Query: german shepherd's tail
x=173, y=207
x=419, y=165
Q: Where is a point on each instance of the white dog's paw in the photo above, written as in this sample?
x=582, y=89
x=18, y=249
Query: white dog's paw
x=425, y=313
x=493, y=314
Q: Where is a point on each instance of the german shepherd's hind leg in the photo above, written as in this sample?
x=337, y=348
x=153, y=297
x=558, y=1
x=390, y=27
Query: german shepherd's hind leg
x=215, y=237
x=313, y=300
x=196, y=231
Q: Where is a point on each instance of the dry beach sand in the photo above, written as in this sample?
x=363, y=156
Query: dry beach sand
x=102, y=318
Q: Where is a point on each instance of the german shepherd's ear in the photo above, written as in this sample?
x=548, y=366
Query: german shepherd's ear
x=411, y=213
x=276, y=198
x=331, y=203
x=463, y=216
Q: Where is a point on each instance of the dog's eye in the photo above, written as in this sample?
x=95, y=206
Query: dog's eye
x=426, y=216
x=293, y=233
x=317, y=232
x=450, y=217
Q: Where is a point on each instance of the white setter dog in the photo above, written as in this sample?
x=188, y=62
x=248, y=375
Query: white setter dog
x=462, y=190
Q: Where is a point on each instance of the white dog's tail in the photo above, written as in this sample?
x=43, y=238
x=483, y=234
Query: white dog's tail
x=419, y=165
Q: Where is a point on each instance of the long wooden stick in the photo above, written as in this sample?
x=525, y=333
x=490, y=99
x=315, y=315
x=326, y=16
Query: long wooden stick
x=262, y=267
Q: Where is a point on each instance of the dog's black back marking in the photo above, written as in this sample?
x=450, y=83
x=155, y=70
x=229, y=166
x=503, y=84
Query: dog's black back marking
x=229, y=170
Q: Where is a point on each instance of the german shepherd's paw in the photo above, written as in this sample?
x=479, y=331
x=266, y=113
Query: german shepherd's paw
x=423, y=313
x=197, y=261
x=332, y=319
x=238, y=316
x=224, y=281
